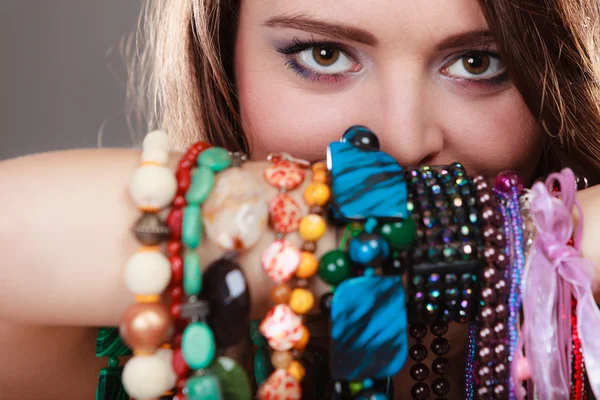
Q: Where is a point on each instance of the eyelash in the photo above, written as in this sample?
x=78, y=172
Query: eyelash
x=298, y=46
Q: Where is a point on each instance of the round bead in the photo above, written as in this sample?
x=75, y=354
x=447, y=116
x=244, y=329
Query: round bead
x=368, y=249
x=301, y=301
x=150, y=230
x=440, y=386
x=500, y=351
x=320, y=177
x=484, y=373
x=440, y=346
x=309, y=265
x=335, y=267
x=296, y=370
x=439, y=328
x=147, y=272
x=198, y=345
x=501, y=287
x=488, y=295
x=400, y=235
x=418, y=352
x=319, y=167
x=488, y=315
x=418, y=331
x=490, y=275
x=280, y=385
x=301, y=344
x=309, y=247
x=179, y=365
x=281, y=293
x=486, y=335
x=500, y=371
x=500, y=392
x=317, y=194
x=419, y=372
x=500, y=330
x=281, y=359
x=152, y=187
x=144, y=327
x=506, y=180
x=146, y=377
x=420, y=391
x=485, y=354
x=312, y=227
x=484, y=393
x=440, y=366
x=155, y=147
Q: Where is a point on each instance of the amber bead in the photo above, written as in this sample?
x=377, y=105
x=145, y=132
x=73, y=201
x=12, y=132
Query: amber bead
x=309, y=265
x=301, y=344
x=320, y=177
x=301, y=301
x=281, y=293
x=297, y=370
x=319, y=167
x=317, y=194
x=281, y=359
x=312, y=227
x=144, y=327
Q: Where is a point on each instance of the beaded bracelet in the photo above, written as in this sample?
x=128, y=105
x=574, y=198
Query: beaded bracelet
x=109, y=344
x=145, y=326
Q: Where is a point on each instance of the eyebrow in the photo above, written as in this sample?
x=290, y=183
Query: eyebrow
x=463, y=39
x=334, y=30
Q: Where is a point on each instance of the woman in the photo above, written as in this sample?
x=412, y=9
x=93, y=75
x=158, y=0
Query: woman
x=495, y=85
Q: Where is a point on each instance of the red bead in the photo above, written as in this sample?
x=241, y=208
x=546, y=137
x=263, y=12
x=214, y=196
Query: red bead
x=174, y=247
x=179, y=396
x=201, y=146
x=186, y=162
x=175, y=310
x=179, y=365
x=176, y=270
x=179, y=202
x=177, y=340
x=184, y=179
x=176, y=294
x=175, y=222
x=181, y=383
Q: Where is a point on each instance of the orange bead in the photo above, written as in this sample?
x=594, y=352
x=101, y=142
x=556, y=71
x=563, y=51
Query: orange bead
x=308, y=267
x=301, y=301
x=301, y=345
x=281, y=359
x=317, y=194
x=320, y=177
x=312, y=227
x=280, y=293
x=319, y=167
x=297, y=370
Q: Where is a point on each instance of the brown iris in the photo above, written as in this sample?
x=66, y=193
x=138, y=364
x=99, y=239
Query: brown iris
x=476, y=63
x=325, y=56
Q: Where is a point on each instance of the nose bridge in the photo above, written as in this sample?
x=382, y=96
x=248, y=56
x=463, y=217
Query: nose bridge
x=406, y=127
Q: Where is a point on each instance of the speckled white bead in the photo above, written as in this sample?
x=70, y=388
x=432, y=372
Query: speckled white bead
x=152, y=187
x=146, y=377
x=147, y=273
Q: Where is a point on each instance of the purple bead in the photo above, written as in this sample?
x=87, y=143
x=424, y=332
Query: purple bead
x=505, y=180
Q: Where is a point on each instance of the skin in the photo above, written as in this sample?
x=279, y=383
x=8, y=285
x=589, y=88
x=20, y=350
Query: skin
x=424, y=106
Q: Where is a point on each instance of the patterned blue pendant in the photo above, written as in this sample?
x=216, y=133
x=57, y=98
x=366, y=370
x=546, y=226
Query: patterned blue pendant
x=369, y=328
x=365, y=181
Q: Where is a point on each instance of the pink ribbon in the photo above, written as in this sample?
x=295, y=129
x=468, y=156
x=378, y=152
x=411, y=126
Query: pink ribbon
x=556, y=272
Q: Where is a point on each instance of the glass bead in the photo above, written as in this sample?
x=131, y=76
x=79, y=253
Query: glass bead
x=440, y=366
x=440, y=346
x=419, y=372
x=417, y=352
x=420, y=391
x=395, y=265
x=317, y=194
x=439, y=328
x=400, y=235
x=440, y=386
x=335, y=267
x=308, y=266
x=301, y=301
x=296, y=369
x=418, y=331
x=312, y=227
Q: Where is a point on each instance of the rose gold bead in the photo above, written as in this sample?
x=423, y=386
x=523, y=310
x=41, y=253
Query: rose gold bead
x=144, y=327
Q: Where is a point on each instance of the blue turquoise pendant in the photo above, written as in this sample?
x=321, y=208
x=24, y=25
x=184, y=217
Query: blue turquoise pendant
x=369, y=328
x=365, y=181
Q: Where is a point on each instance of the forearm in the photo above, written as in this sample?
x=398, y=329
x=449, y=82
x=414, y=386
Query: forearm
x=66, y=237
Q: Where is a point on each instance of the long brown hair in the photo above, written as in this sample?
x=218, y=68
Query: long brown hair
x=181, y=75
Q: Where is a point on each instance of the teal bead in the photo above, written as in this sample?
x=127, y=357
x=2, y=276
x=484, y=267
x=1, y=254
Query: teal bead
x=206, y=387
x=335, y=267
x=192, y=273
x=257, y=338
x=191, y=230
x=234, y=381
x=113, y=362
x=198, y=345
x=216, y=159
x=400, y=235
x=203, y=180
x=262, y=365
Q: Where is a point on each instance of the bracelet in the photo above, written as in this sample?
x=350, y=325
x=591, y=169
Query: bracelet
x=145, y=325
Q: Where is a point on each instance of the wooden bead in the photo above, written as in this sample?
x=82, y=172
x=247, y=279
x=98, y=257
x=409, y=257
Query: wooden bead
x=148, y=271
x=301, y=301
x=297, y=370
x=312, y=227
x=146, y=377
x=317, y=194
x=281, y=293
x=309, y=265
x=144, y=327
x=281, y=359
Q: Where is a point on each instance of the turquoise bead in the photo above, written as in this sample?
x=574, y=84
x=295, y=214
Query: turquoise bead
x=215, y=158
x=203, y=180
x=262, y=365
x=205, y=387
x=191, y=231
x=192, y=274
x=198, y=345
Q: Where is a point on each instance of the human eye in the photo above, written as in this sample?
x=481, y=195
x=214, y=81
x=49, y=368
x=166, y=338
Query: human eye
x=320, y=61
x=480, y=67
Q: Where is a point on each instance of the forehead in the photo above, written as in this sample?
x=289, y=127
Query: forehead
x=388, y=20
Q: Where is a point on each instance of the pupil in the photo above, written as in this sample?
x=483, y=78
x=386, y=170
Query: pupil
x=326, y=53
x=477, y=63
x=325, y=56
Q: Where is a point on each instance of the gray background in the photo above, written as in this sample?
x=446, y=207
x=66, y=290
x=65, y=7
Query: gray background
x=61, y=74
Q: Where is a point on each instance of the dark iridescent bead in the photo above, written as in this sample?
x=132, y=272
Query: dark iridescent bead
x=500, y=371
x=419, y=372
x=466, y=279
x=486, y=335
x=501, y=261
x=439, y=328
x=467, y=293
x=484, y=373
x=449, y=254
x=434, y=253
x=447, y=235
x=500, y=330
x=440, y=366
x=394, y=266
x=488, y=295
x=440, y=386
x=451, y=293
x=417, y=352
x=450, y=279
x=449, y=313
x=485, y=354
x=501, y=311
x=501, y=287
x=490, y=275
x=500, y=392
x=440, y=346
x=484, y=393
x=467, y=251
x=431, y=310
x=418, y=331
x=501, y=351
x=488, y=315
x=420, y=391
x=490, y=254
x=419, y=297
x=433, y=295
x=325, y=303
x=418, y=254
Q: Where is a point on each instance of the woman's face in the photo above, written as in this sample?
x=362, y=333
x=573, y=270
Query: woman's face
x=424, y=75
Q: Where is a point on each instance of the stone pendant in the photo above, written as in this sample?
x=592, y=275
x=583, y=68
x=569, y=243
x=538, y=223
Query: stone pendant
x=235, y=214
